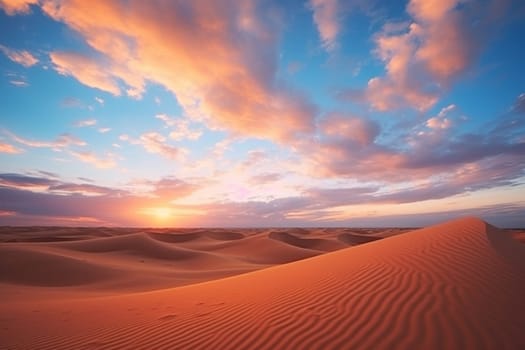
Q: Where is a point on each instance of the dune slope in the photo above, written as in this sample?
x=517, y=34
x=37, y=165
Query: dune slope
x=457, y=285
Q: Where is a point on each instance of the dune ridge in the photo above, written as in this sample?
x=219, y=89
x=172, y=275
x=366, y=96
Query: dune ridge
x=458, y=285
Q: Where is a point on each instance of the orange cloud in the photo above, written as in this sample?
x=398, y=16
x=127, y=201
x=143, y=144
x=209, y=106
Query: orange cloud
x=431, y=10
x=423, y=57
x=448, y=46
x=8, y=148
x=171, y=43
x=23, y=57
x=86, y=70
x=12, y=7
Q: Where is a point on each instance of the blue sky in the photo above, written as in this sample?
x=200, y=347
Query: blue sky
x=302, y=113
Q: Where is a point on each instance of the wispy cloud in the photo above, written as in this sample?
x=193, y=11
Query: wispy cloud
x=326, y=13
x=23, y=57
x=61, y=142
x=85, y=122
x=8, y=148
x=180, y=128
x=71, y=102
x=19, y=83
x=156, y=143
x=26, y=181
x=91, y=158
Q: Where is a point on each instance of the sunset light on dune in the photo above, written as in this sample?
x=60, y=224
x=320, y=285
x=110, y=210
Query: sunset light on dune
x=261, y=113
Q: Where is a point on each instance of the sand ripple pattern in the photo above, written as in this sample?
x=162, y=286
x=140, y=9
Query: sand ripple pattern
x=458, y=285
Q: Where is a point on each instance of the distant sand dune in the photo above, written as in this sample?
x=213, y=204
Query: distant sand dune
x=307, y=243
x=23, y=265
x=353, y=239
x=458, y=285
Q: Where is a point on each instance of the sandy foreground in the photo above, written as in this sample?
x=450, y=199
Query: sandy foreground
x=458, y=285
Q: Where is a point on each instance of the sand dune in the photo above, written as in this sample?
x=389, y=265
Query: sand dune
x=26, y=266
x=149, y=259
x=458, y=285
x=307, y=243
x=354, y=239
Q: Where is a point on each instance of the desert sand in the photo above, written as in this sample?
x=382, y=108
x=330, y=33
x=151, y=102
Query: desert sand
x=457, y=285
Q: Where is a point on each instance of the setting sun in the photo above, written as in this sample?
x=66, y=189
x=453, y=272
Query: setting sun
x=159, y=214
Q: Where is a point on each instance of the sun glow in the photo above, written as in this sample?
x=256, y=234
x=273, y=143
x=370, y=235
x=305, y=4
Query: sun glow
x=169, y=215
x=161, y=214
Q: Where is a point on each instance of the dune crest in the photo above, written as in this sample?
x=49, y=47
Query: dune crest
x=457, y=285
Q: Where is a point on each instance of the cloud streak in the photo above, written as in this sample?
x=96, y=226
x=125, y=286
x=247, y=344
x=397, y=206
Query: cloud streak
x=61, y=142
x=8, y=148
x=23, y=57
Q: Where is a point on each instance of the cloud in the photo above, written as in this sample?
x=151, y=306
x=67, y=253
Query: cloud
x=169, y=43
x=441, y=121
x=104, y=130
x=63, y=141
x=436, y=123
x=519, y=106
x=356, y=148
x=266, y=178
x=12, y=7
x=84, y=69
x=424, y=56
x=71, y=102
x=19, y=83
x=171, y=188
x=344, y=128
x=8, y=148
x=85, y=122
x=23, y=57
x=84, y=189
x=180, y=128
x=154, y=142
x=325, y=14
x=25, y=181
x=31, y=199
x=89, y=157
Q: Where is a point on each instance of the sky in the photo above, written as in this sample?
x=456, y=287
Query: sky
x=261, y=113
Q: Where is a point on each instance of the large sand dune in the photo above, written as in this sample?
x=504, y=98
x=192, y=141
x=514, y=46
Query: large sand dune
x=458, y=285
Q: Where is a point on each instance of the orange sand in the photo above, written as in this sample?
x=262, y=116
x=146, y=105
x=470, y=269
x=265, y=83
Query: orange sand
x=458, y=285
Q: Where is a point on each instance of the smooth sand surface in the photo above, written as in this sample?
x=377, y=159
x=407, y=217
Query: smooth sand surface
x=458, y=285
